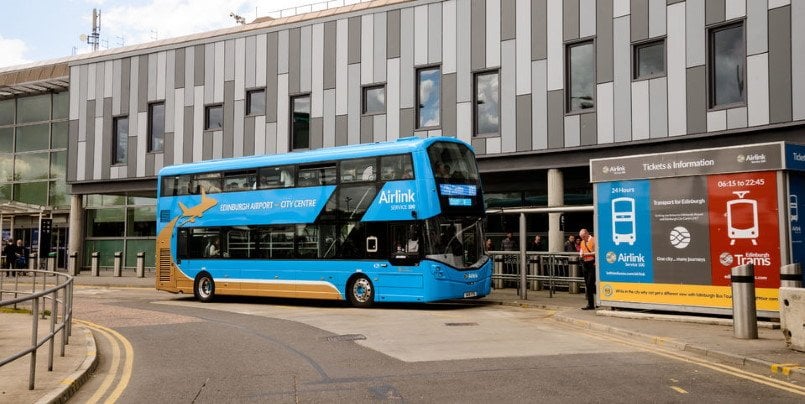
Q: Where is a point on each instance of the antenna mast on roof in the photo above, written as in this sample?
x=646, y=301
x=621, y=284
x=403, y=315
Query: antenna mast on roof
x=93, y=39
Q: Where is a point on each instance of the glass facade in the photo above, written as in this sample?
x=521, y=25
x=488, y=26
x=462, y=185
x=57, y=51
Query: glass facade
x=727, y=65
x=33, y=150
x=120, y=223
x=487, y=103
x=580, y=76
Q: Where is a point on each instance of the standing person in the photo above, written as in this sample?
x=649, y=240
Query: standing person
x=570, y=244
x=510, y=260
x=10, y=252
x=587, y=253
x=22, y=257
x=537, y=244
x=508, y=243
x=488, y=246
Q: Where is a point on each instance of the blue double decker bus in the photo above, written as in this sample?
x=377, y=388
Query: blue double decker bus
x=385, y=222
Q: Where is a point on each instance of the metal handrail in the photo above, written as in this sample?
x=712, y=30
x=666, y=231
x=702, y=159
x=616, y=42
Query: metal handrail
x=549, y=260
x=63, y=283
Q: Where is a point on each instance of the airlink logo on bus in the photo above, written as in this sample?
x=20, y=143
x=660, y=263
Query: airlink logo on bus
x=397, y=196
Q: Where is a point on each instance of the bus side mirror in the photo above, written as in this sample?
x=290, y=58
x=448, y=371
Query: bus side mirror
x=371, y=244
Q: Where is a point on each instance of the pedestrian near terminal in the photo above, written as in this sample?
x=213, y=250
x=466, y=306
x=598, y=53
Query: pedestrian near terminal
x=587, y=254
x=570, y=244
x=10, y=253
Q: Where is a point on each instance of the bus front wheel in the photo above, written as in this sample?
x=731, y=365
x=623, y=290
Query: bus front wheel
x=204, y=287
x=361, y=292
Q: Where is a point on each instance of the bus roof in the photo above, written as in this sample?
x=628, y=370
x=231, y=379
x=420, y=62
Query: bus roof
x=403, y=145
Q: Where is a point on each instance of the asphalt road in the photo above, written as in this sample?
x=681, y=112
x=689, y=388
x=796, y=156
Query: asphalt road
x=156, y=347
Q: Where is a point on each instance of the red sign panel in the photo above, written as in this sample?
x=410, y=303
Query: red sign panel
x=744, y=226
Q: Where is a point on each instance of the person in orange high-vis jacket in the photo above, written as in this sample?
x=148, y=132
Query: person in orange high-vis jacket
x=587, y=253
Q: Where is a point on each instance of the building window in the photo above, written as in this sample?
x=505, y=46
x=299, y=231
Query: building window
x=300, y=122
x=214, y=117
x=727, y=60
x=374, y=100
x=120, y=132
x=429, y=100
x=649, y=59
x=580, y=84
x=156, y=126
x=487, y=103
x=256, y=102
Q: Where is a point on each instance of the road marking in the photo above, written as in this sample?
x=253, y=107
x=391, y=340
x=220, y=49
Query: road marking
x=679, y=390
x=116, y=340
x=784, y=368
x=718, y=367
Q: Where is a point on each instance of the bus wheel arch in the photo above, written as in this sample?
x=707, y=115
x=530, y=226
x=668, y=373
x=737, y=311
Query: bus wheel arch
x=360, y=290
x=204, y=287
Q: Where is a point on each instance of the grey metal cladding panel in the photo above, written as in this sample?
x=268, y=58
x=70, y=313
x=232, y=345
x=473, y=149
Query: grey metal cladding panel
x=294, y=56
x=697, y=99
x=392, y=34
x=271, y=77
x=588, y=128
x=330, y=46
x=149, y=164
x=603, y=43
x=757, y=14
x=780, y=102
x=639, y=19
x=341, y=129
x=354, y=40
x=367, y=128
x=407, y=118
x=669, y=2
x=178, y=78
x=316, y=133
x=524, y=122
x=556, y=119
x=229, y=60
x=478, y=42
x=106, y=155
x=507, y=22
x=449, y=123
x=167, y=154
x=715, y=11
x=125, y=89
x=570, y=20
x=72, y=150
x=142, y=88
x=248, y=136
x=539, y=33
x=229, y=119
x=132, y=155
x=206, y=145
x=187, y=136
x=479, y=145
x=435, y=33
x=198, y=64
x=90, y=142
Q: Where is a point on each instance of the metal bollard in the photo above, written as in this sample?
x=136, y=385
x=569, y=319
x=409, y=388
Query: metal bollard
x=744, y=308
x=118, y=264
x=94, y=260
x=51, y=263
x=72, y=263
x=498, y=270
x=140, y=264
x=791, y=276
x=533, y=270
x=32, y=263
x=574, y=269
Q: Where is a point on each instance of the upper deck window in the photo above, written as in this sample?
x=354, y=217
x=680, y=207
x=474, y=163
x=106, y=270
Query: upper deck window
x=452, y=161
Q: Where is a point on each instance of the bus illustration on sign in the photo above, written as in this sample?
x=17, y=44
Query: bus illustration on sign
x=742, y=220
x=793, y=209
x=623, y=221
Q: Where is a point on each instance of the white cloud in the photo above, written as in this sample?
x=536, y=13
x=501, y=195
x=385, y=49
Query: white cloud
x=13, y=52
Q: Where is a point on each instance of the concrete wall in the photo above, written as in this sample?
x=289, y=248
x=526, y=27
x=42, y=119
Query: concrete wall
x=331, y=58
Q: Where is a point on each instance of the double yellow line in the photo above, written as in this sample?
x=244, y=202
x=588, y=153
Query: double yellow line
x=676, y=355
x=117, y=341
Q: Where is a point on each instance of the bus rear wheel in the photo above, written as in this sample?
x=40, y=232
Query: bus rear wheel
x=204, y=287
x=361, y=292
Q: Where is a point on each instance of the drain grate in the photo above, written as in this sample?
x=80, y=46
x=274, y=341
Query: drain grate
x=346, y=337
x=460, y=324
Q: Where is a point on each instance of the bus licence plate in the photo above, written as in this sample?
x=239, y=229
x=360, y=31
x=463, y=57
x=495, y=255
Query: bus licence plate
x=470, y=294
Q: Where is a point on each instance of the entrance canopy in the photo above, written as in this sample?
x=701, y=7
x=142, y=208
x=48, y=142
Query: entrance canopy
x=15, y=208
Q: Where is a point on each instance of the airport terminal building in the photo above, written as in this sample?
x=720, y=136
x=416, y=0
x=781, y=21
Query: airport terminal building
x=538, y=87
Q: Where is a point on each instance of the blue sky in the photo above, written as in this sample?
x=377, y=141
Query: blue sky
x=35, y=30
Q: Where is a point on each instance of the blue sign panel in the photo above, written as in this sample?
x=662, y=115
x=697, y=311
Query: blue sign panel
x=624, y=231
x=795, y=157
x=796, y=194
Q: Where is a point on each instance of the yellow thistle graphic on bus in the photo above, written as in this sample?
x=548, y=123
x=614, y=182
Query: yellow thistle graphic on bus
x=197, y=211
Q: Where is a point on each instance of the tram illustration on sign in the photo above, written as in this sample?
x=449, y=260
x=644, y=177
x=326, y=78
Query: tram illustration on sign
x=742, y=222
x=623, y=221
x=792, y=208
